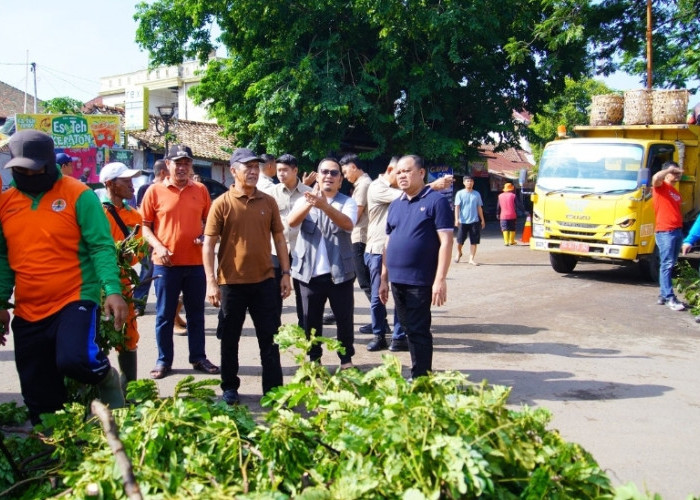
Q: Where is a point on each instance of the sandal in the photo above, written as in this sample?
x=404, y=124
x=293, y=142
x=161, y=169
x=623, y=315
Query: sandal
x=206, y=366
x=159, y=372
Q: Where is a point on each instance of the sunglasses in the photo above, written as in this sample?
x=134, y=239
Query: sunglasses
x=332, y=173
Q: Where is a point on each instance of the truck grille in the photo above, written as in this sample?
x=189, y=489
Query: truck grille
x=579, y=231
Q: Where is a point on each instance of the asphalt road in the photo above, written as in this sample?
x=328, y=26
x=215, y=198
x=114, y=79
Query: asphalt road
x=618, y=372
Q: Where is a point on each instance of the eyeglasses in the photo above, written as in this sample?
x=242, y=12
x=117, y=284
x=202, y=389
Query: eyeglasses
x=332, y=173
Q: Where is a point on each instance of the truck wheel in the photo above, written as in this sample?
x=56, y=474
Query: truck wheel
x=649, y=266
x=562, y=263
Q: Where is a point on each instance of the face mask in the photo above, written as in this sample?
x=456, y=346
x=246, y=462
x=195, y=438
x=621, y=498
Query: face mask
x=35, y=184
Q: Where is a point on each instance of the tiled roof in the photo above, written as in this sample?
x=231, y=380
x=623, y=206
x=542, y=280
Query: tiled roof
x=507, y=163
x=12, y=101
x=205, y=139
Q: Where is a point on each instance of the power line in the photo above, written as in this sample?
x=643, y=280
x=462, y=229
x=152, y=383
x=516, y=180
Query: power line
x=56, y=74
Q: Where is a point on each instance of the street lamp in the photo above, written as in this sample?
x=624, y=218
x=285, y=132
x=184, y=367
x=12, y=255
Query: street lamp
x=166, y=113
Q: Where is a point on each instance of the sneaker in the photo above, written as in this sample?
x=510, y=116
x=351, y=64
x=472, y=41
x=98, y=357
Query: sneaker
x=329, y=319
x=697, y=318
x=377, y=344
x=366, y=328
x=398, y=345
x=675, y=305
x=230, y=396
x=661, y=301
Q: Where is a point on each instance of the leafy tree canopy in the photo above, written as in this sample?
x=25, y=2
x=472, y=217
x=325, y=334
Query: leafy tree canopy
x=435, y=78
x=570, y=108
x=432, y=78
x=620, y=41
x=63, y=105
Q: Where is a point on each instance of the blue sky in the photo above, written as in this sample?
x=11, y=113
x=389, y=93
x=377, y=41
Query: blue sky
x=76, y=42
x=73, y=44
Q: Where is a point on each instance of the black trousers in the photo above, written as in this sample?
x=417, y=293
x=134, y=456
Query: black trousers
x=313, y=297
x=259, y=300
x=412, y=305
x=58, y=346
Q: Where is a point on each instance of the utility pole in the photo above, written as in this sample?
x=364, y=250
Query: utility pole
x=26, y=82
x=649, y=54
x=34, y=71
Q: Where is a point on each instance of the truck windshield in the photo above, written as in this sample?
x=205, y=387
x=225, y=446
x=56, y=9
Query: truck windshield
x=590, y=167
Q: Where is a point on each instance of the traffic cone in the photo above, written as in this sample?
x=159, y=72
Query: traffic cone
x=527, y=231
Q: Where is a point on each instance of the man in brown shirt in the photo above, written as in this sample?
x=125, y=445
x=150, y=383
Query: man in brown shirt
x=245, y=219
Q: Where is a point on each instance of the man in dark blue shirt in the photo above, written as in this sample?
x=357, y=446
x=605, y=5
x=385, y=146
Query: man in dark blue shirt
x=417, y=257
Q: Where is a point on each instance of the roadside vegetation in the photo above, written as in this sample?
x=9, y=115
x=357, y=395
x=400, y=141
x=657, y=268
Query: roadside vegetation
x=326, y=435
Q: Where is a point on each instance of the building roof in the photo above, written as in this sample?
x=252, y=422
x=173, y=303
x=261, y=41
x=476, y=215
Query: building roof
x=205, y=139
x=12, y=101
x=507, y=163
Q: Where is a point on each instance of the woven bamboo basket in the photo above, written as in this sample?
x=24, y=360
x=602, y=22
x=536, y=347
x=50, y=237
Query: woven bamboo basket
x=606, y=109
x=638, y=107
x=669, y=106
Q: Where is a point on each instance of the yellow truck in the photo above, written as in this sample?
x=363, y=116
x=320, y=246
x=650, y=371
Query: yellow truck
x=593, y=202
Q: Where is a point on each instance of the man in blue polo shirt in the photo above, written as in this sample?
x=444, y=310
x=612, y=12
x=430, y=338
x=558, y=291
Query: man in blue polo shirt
x=417, y=257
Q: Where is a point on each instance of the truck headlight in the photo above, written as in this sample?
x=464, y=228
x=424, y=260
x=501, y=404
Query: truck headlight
x=623, y=238
x=538, y=230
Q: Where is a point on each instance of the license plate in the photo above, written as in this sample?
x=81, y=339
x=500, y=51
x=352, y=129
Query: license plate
x=574, y=246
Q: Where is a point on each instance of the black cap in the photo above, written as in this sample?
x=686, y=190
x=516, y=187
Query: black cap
x=244, y=155
x=31, y=149
x=180, y=151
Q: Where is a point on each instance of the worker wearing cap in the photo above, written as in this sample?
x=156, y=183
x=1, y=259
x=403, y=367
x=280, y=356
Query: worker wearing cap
x=57, y=256
x=123, y=219
x=65, y=163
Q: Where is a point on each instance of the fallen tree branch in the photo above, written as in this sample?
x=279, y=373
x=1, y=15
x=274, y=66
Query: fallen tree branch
x=110, y=429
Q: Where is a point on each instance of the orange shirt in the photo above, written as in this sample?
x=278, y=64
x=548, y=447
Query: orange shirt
x=667, y=206
x=129, y=216
x=177, y=217
x=55, y=249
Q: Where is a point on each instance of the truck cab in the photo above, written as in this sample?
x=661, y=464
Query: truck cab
x=593, y=197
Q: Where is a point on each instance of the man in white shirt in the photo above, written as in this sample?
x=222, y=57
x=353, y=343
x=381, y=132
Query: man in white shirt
x=322, y=257
x=266, y=181
x=289, y=190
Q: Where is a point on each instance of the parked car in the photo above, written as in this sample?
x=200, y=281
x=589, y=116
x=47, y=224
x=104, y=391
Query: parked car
x=215, y=188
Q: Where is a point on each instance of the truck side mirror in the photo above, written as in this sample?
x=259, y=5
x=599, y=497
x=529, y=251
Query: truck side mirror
x=643, y=177
x=522, y=176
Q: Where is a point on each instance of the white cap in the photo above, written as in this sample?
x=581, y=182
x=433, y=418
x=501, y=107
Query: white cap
x=117, y=170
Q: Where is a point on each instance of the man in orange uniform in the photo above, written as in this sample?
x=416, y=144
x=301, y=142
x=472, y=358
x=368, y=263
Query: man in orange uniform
x=57, y=255
x=116, y=178
x=174, y=214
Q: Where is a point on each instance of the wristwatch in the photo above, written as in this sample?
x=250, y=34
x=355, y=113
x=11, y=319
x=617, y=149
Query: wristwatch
x=286, y=272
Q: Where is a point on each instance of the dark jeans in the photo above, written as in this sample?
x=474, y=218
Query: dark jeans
x=361, y=270
x=141, y=291
x=50, y=349
x=669, y=243
x=297, y=292
x=313, y=297
x=191, y=282
x=258, y=300
x=377, y=309
x=413, y=308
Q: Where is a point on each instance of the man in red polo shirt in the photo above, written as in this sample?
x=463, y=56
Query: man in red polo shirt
x=669, y=229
